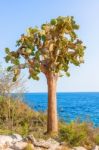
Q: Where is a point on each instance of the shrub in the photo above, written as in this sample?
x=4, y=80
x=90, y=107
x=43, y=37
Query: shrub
x=73, y=133
x=97, y=139
x=79, y=134
x=18, y=117
x=29, y=147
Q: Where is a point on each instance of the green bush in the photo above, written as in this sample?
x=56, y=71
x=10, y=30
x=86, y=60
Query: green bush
x=74, y=134
x=29, y=147
x=97, y=139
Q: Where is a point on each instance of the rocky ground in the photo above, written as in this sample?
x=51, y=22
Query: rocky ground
x=16, y=142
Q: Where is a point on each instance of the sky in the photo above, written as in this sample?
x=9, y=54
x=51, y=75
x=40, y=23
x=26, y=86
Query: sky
x=16, y=16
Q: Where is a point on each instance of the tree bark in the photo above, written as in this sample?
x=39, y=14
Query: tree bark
x=52, y=121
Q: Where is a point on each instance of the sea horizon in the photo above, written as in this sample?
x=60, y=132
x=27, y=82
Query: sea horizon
x=60, y=92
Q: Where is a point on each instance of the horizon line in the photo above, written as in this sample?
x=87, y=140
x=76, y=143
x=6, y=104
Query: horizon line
x=60, y=92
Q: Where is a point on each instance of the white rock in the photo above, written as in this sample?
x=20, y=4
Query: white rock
x=79, y=148
x=49, y=144
x=37, y=148
x=52, y=144
x=19, y=145
x=1, y=146
x=9, y=149
x=16, y=137
x=8, y=140
x=5, y=147
x=96, y=147
x=5, y=140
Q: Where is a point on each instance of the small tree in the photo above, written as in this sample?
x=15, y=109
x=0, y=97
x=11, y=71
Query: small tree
x=7, y=86
x=50, y=50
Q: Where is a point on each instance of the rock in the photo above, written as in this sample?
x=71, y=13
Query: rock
x=5, y=147
x=19, y=145
x=96, y=147
x=49, y=144
x=7, y=141
x=64, y=148
x=9, y=149
x=38, y=148
x=53, y=145
x=63, y=143
x=16, y=137
x=30, y=138
x=38, y=144
x=22, y=145
x=79, y=148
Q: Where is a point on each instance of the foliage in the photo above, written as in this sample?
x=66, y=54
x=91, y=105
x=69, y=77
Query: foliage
x=73, y=133
x=22, y=119
x=29, y=147
x=79, y=134
x=97, y=139
x=96, y=135
x=50, y=48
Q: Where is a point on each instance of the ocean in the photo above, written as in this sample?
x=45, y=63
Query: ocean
x=70, y=106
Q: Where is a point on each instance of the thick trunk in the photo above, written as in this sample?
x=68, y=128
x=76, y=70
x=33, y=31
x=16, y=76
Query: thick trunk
x=52, y=122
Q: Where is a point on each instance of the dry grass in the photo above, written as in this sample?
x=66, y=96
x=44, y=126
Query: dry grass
x=18, y=117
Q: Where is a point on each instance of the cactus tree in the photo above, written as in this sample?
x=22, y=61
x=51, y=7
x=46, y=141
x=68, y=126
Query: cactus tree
x=49, y=49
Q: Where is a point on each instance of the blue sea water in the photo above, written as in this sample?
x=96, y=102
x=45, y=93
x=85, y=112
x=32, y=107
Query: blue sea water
x=70, y=105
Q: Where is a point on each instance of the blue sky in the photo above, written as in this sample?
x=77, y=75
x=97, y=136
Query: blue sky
x=16, y=16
